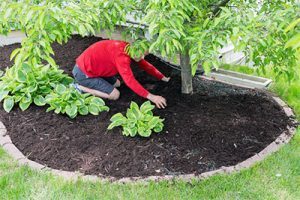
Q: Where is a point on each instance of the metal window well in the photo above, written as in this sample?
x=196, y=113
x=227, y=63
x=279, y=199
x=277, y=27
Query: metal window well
x=229, y=77
x=12, y=38
x=240, y=79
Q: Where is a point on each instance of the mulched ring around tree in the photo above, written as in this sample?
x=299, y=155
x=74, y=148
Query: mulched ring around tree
x=219, y=125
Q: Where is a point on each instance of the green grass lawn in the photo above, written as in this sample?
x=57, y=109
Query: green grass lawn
x=277, y=177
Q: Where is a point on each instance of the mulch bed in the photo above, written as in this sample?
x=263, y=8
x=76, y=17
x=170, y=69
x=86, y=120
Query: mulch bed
x=219, y=125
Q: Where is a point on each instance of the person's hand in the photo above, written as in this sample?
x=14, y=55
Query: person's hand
x=159, y=101
x=166, y=79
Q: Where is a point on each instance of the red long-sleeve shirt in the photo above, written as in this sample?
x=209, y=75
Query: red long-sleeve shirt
x=108, y=58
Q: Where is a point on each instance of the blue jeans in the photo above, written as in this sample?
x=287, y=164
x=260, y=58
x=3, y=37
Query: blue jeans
x=102, y=84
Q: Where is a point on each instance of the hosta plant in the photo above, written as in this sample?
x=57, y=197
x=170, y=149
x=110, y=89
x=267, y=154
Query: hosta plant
x=29, y=84
x=67, y=100
x=138, y=121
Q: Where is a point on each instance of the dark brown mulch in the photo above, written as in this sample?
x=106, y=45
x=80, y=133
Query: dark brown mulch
x=219, y=125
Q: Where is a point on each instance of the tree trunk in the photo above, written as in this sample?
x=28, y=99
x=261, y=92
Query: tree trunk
x=186, y=74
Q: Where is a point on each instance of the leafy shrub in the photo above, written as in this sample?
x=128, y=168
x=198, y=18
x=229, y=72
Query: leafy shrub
x=29, y=84
x=138, y=120
x=196, y=30
x=294, y=42
x=68, y=100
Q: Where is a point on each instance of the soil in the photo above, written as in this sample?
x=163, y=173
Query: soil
x=219, y=125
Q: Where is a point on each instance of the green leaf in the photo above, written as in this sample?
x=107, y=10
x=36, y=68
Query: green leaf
x=93, y=109
x=103, y=108
x=158, y=128
x=79, y=102
x=18, y=98
x=8, y=103
x=32, y=88
x=292, y=25
x=26, y=99
x=18, y=60
x=126, y=131
x=24, y=105
x=19, y=87
x=206, y=22
x=141, y=130
x=83, y=110
x=45, y=90
x=3, y=94
x=117, y=120
x=82, y=29
x=294, y=42
x=146, y=107
x=14, y=53
x=130, y=115
x=21, y=76
x=207, y=67
x=113, y=125
x=71, y=111
x=29, y=16
x=51, y=61
x=97, y=101
x=134, y=105
x=134, y=108
x=7, y=13
x=117, y=116
x=60, y=89
x=58, y=110
x=152, y=123
x=50, y=109
x=27, y=68
x=39, y=100
x=235, y=30
x=129, y=132
x=88, y=99
x=145, y=133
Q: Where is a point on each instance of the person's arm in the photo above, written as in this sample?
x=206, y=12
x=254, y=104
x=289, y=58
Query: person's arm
x=123, y=66
x=124, y=69
x=150, y=69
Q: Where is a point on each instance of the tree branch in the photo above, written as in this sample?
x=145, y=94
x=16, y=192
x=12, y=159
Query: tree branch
x=218, y=7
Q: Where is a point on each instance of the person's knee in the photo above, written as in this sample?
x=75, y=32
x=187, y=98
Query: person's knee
x=117, y=83
x=114, y=95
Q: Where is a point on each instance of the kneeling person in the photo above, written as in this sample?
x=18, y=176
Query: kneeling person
x=97, y=66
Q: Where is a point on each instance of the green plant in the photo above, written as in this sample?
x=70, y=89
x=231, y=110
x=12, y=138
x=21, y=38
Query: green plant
x=45, y=22
x=29, y=84
x=294, y=42
x=68, y=100
x=138, y=120
x=195, y=30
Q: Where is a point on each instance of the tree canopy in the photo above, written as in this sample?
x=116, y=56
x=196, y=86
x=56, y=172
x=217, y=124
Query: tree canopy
x=266, y=31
